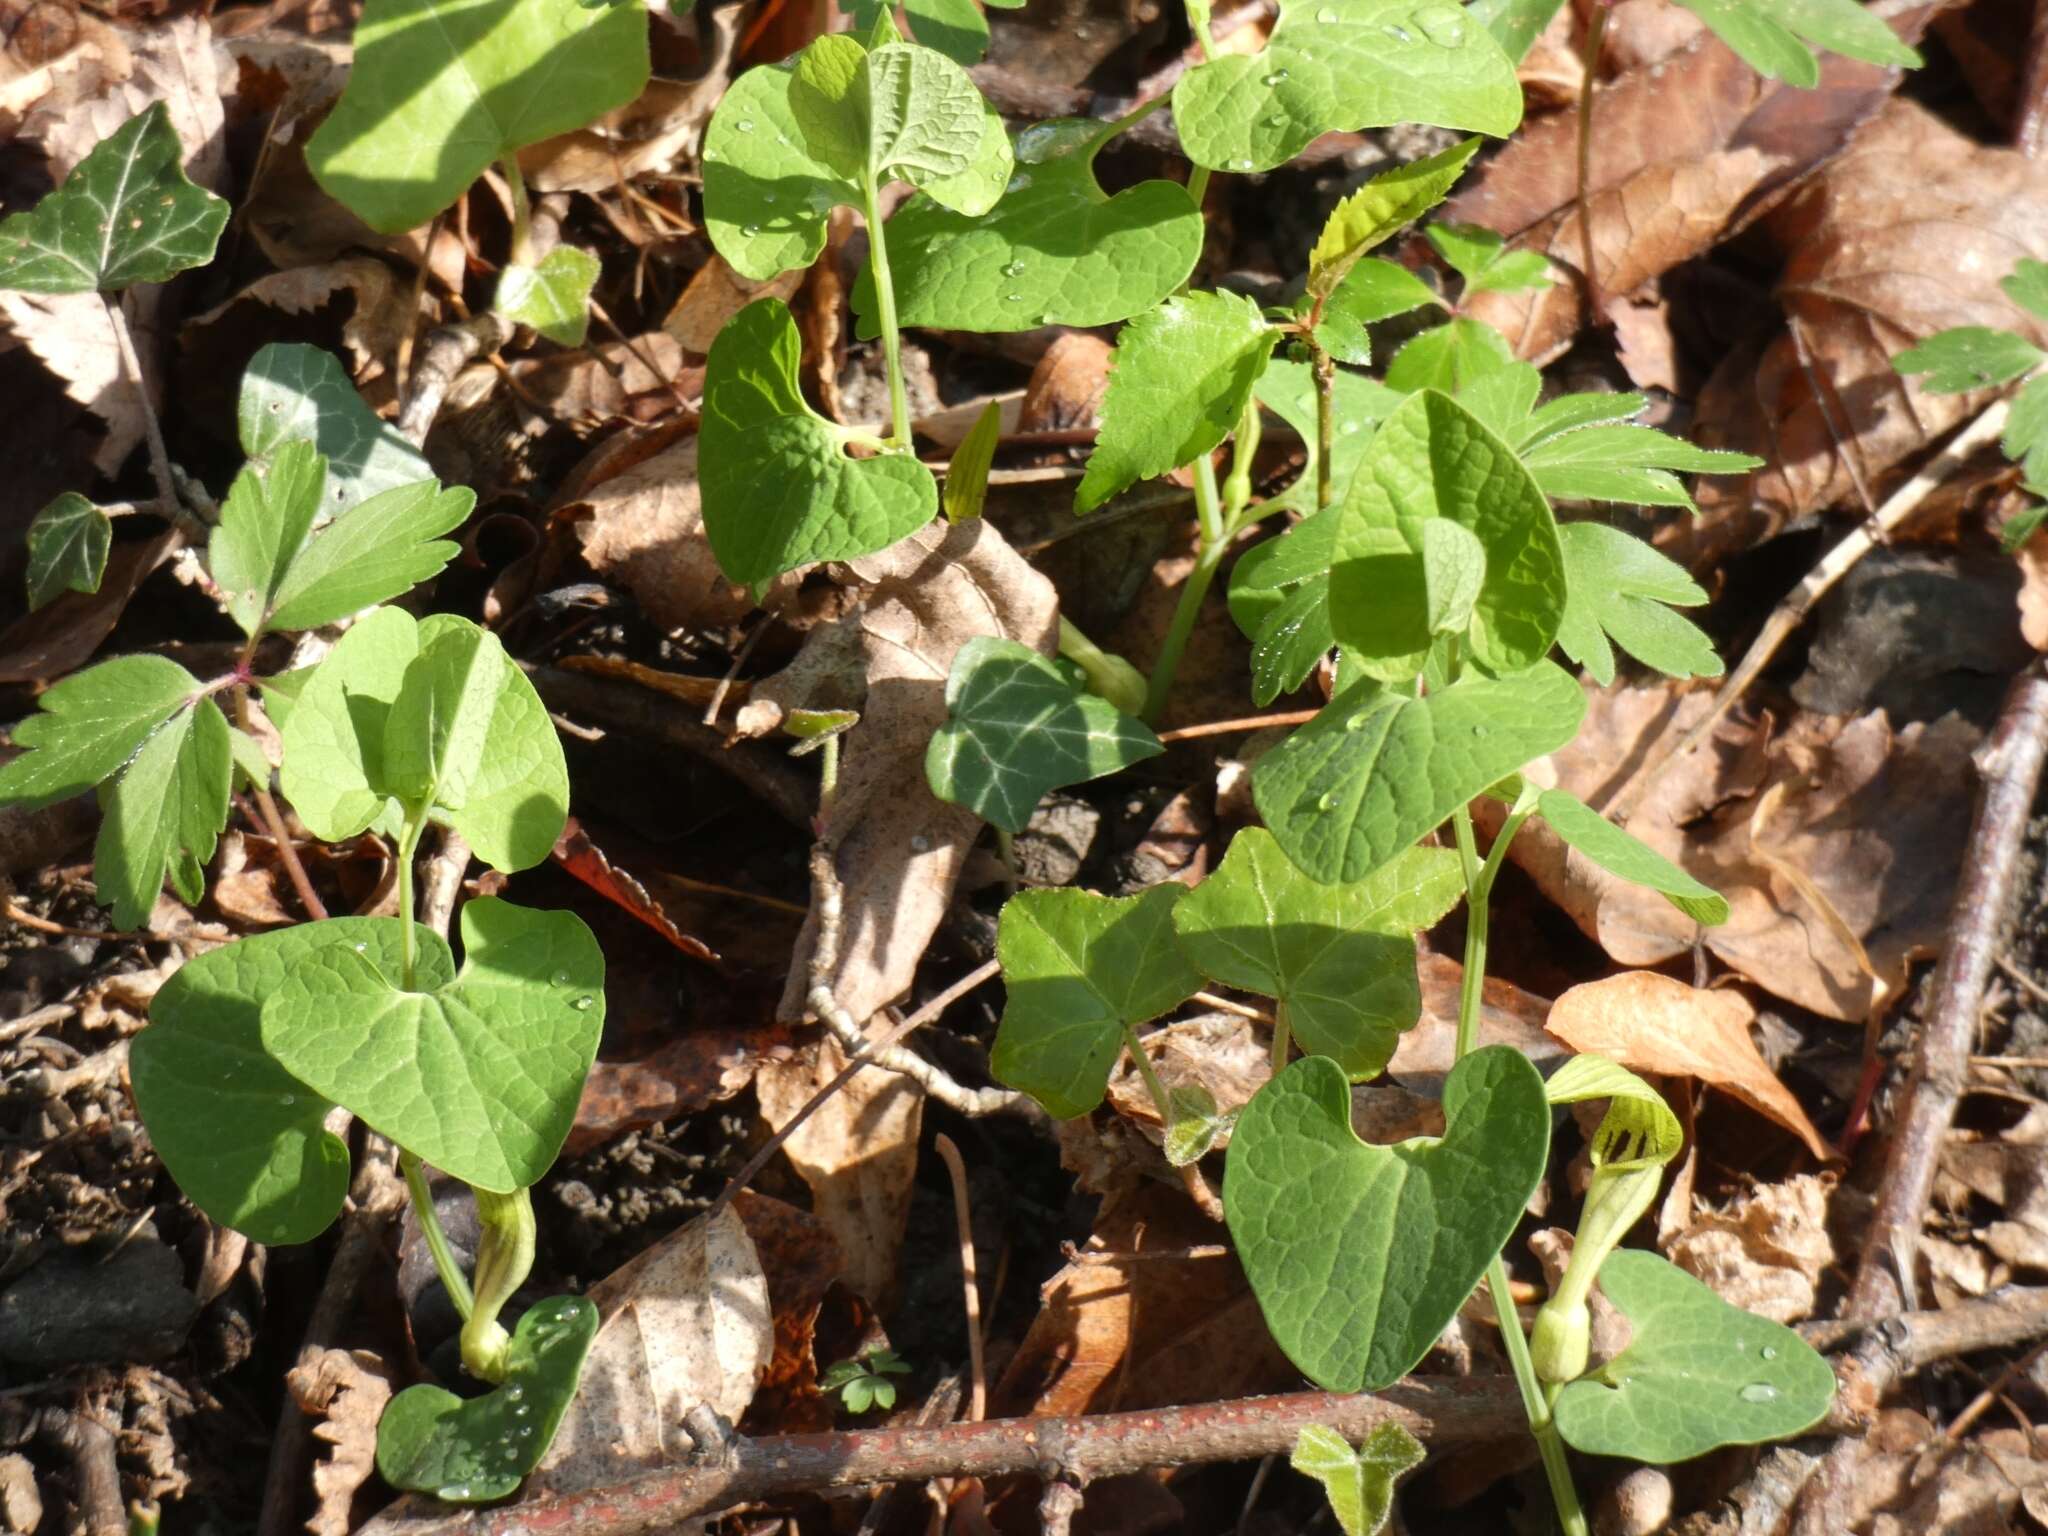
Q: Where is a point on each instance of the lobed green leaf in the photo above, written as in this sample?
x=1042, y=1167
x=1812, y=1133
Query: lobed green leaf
x=1617, y=587
x=67, y=549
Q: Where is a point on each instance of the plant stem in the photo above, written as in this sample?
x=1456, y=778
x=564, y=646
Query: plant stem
x=885, y=303
x=152, y=429
x=1325, y=372
x=1536, y=1403
x=1198, y=23
x=1596, y=34
x=522, y=211
x=1146, y=1071
x=452, y=1278
x=1283, y=1038
x=408, y=943
x=273, y=820
x=1127, y=122
x=1214, y=542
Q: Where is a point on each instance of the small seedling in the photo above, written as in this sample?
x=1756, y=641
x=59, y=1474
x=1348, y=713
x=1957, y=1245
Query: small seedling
x=863, y=1382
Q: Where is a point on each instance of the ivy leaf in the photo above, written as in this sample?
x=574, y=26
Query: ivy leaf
x=244, y=1138
x=1183, y=372
x=1481, y=257
x=1372, y=291
x=1338, y=959
x=1379, y=210
x=441, y=88
x=1773, y=38
x=1449, y=357
x=1625, y=463
x=126, y=214
x=779, y=490
x=472, y=1450
x=1057, y=250
x=384, y=547
x=1340, y=65
x=333, y=734
x=162, y=813
x=1016, y=727
x=1361, y=1254
x=1968, y=357
x=1345, y=799
x=1359, y=1484
x=89, y=725
x=1080, y=971
x=263, y=524
x=479, y=1075
x=1697, y=1373
x=292, y=392
x=1620, y=853
x=1618, y=587
x=67, y=549
x=553, y=297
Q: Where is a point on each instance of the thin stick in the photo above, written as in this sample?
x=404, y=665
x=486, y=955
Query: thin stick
x=1596, y=34
x=131, y=364
x=446, y=351
x=273, y=819
x=1245, y=723
x=1225, y=1005
x=963, y=1214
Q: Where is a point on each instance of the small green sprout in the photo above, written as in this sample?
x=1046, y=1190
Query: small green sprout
x=863, y=1382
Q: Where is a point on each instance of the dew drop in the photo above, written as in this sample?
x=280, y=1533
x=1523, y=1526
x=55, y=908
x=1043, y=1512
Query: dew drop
x=1443, y=25
x=561, y=978
x=750, y=230
x=456, y=1491
x=1244, y=165
x=514, y=1393
x=1478, y=730
x=768, y=197
x=1278, y=77
x=1349, y=427
x=362, y=949
x=1013, y=298
x=1399, y=33
x=1013, y=269
x=1770, y=1352
x=526, y=1431
x=582, y=1004
x=1758, y=1392
x=1327, y=14
x=745, y=125
x=287, y=1099
x=1327, y=801
x=520, y=1410
x=1355, y=723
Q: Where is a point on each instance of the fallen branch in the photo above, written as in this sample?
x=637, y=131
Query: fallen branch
x=447, y=350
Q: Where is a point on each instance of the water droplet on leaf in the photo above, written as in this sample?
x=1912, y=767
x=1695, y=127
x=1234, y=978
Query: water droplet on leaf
x=1443, y=25
x=1758, y=1392
x=1327, y=801
x=745, y=125
x=1769, y=1353
x=583, y=1004
x=1399, y=33
x=1327, y=14
x=1355, y=723
x=1013, y=298
x=1013, y=269
x=1277, y=77
x=750, y=230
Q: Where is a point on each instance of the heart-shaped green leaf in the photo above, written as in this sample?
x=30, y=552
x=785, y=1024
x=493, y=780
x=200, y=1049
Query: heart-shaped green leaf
x=779, y=490
x=1617, y=588
x=1339, y=959
x=1359, y=1484
x=1331, y=66
x=553, y=297
x=472, y=1450
x=291, y=392
x=1372, y=291
x=955, y=28
x=1361, y=1254
x=333, y=732
x=441, y=88
x=1452, y=357
x=126, y=214
x=1057, y=250
x=1016, y=727
x=1377, y=769
x=67, y=548
x=1081, y=970
x=1697, y=1373
x=479, y=1075
x=242, y=1136
x=1620, y=853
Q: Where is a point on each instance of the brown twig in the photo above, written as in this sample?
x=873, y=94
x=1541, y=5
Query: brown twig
x=963, y=1216
x=1247, y=723
x=444, y=355
x=152, y=429
x=443, y=881
x=90, y=1446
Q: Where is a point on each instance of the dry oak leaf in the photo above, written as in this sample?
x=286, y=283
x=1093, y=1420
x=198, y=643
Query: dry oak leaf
x=1651, y=1023
x=1767, y=1251
x=346, y=1389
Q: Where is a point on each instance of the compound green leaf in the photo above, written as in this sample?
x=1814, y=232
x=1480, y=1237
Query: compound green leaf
x=553, y=297
x=1697, y=1373
x=779, y=490
x=333, y=734
x=1481, y=257
x=1968, y=357
x=1338, y=959
x=292, y=392
x=1182, y=374
x=1568, y=413
x=1344, y=799
x=1361, y=1254
x=1379, y=210
x=90, y=724
x=1079, y=971
x=162, y=814
x=1619, y=462
x=473, y=1450
x=1016, y=727
x=1337, y=65
x=264, y=522
x=1372, y=291
x=383, y=548
x=1772, y=36
x=479, y=1075
x=1763, y=42
x=1618, y=587
x=2028, y=286
x=126, y=214
x=1057, y=250
x=1620, y=853
x=1449, y=357
x=67, y=548
x=1849, y=28
x=243, y=1137
x=1359, y=1484
x=441, y=88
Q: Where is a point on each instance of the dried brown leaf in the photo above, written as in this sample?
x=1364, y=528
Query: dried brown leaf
x=1767, y=1251
x=346, y=1389
x=381, y=315
x=715, y=294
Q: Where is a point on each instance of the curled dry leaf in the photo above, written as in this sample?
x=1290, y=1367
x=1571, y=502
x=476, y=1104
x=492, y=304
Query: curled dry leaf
x=1223, y=1053
x=381, y=314
x=1650, y=1023
x=346, y=1389
x=1767, y=1251
x=715, y=294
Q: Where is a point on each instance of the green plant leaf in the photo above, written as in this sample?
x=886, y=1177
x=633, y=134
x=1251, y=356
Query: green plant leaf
x=1968, y=357
x=333, y=734
x=779, y=490
x=1697, y=1373
x=90, y=725
x=1340, y=65
x=1379, y=210
x=1568, y=413
x=1359, y=1484
x=552, y=297
x=2025, y=439
x=1345, y=799
x=1453, y=571
x=382, y=549
x=263, y=524
x=1772, y=36
x=966, y=488
x=479, y=1075
x=292, y=392
x=1639, y=1129
x=1515, y=24
x=1625, y=463
x=1338, y=959
x=1617, y=587
x=441, y=88
x=1361, y=1254
x=243, y=1137
x=766, y=196
x=1449, y=357
x=1079, y=970
x=1182, y=374
x=1620, y=853
x=1481, y=257
x=126, y=214
x=2028, y=286
x=1288, y=389
x=1016, y=727
x=162, y=813
x=1057, y=250
x=1194, y=1126
x=67, y=549
x=472, y=1450
x=955, y=28
x=1372, y=291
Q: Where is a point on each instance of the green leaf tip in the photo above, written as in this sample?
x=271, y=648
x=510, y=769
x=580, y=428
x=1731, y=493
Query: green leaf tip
x=1359, y=1484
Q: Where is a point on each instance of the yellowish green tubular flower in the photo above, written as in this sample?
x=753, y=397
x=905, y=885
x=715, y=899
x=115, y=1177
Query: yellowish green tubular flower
x=504, y=1258
x=1637, y=1137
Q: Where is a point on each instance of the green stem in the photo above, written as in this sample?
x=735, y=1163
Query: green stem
x=1283, y=1038
x=1198, y=23
x=1536, y=1403
x=1145, y=1070
x=885, y=304
x=1325, y=372
x=522, y=211
x=1127, y=122
x=408, y=942
x=504, y=1258
x=1208, y=558
x=452, y=1278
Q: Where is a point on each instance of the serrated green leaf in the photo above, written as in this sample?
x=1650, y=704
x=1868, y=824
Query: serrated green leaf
x=292, y=392
x=1620, y=853
x=333, y=734
x=1846, y=27
x=2023, y=527
x=1626, y=463
x=263, y=525
x=1568, y=413
x=1338, y=959
x=779, y=490
x=67, y=549
x=441, y=88
x=1449, y=357
x=1016, y=728
x=966, y=486
x=1360, y=1254
x=1344, y=800
x=126, y=214
x=1340, y=65
x=2025, y=439
x=162, y=814
x=473, y=1450
x=382, y=549
x=1079, y=970
x=1181, y=376
x=1372, y=291
x=1618, y=587
x=1697, y=1373
x=1481, y=257
x=1968, y=357
x=244, y=1138
x=1057, y=250
x=552, y=297
x=89, y=725
x=1379, y=210
x=1359, y=1484
x=2028, y=286
x=479, y=1075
